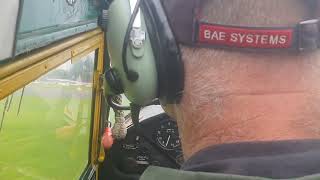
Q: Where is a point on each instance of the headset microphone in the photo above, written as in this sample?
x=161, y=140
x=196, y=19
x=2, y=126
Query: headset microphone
x=145, y=58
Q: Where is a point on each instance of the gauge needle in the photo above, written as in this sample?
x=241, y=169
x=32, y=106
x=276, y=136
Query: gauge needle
x=168, y=140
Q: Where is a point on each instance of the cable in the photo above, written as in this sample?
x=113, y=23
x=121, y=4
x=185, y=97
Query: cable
x=116, y=106
x=131, y=75
x=153, y=102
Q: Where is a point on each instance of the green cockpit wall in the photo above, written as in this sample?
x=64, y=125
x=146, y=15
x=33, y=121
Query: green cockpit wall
x=39, y=23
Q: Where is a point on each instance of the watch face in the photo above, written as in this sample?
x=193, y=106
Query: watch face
x=71, y=2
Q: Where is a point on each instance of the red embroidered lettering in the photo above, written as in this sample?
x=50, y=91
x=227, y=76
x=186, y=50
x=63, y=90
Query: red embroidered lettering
x=244, y=37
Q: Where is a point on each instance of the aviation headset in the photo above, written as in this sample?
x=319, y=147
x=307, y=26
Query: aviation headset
x=145, y=56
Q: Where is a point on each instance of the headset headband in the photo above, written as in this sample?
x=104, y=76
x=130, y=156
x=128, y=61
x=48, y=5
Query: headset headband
x=189, y=30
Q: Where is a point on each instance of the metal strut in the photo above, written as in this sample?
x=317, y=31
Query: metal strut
x=20, y=101
x=4, y=112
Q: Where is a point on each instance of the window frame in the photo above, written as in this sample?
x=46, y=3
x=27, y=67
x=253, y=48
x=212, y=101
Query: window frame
x=26, y=68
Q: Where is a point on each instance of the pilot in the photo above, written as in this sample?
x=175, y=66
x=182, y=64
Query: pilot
x=248, y=113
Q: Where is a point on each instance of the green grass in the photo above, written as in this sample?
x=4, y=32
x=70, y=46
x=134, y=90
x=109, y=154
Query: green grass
x=43, y=142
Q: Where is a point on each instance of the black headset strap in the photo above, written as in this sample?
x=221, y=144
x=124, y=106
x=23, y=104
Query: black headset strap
x=303, y=37
x=182, y=15
x=166, y=52
x=184, y=18
x=308, y=35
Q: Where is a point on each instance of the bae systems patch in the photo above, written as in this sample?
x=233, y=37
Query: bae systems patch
x=240, y=37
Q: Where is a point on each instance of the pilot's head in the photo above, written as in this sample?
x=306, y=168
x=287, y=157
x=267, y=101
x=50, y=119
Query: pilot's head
x=233, y=95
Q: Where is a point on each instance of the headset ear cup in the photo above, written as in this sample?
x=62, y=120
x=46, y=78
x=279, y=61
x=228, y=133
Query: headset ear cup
x=166, y=51
x=113, y=84
x=139, y=82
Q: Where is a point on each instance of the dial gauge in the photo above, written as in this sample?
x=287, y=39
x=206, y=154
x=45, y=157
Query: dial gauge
x=167, y=136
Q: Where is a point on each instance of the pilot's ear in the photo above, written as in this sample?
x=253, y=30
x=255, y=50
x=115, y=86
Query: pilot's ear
x=170, y=110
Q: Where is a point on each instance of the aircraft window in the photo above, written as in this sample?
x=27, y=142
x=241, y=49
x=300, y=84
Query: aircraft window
x=45, y=127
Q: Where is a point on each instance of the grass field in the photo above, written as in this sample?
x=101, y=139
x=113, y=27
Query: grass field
x=49, y=139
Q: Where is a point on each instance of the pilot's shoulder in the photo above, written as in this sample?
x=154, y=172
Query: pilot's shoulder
x=159, y=173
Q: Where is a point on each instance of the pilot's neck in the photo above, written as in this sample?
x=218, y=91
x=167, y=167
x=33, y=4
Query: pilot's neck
x=250, y=117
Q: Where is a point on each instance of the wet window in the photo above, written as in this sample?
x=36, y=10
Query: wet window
x=45, y=127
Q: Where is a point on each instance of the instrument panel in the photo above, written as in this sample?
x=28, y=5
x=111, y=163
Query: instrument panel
x=167, y=136
x=155, y=143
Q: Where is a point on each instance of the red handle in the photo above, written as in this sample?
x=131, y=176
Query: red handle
x=107, y=139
